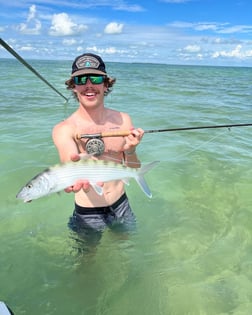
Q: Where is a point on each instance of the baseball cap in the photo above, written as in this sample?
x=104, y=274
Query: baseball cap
x=88, y=63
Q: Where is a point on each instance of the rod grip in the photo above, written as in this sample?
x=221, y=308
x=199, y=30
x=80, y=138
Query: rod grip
x=117, y=133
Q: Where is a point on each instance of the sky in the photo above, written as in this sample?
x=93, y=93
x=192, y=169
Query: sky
x=186, y=32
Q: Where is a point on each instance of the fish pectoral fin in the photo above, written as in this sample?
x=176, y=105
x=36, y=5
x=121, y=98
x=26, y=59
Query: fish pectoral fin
x=98, y=189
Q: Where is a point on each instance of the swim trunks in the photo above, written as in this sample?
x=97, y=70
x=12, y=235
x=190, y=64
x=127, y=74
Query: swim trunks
x=118, y=214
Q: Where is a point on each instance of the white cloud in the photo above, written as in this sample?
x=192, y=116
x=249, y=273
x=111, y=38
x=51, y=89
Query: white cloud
x=220, y=28
x=129, y=8
x=108, y=50
x=205, y=26
x=220, y=41
x=32, y=25
x=113, y=28
x=176, y=1
x=69, y=42
x=26, y=48
x=191, y=52
x=180, y=24
x=32, y=13
x=236, y=29
x=235, y=53
x=79, y=49
x=62, y=25
x=200, y=56
x=192, y=48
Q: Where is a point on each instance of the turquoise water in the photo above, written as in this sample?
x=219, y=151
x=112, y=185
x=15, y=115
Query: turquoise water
x=191, y=253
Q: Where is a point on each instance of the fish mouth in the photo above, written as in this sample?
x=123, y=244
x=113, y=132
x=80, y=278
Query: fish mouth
x=25, y=200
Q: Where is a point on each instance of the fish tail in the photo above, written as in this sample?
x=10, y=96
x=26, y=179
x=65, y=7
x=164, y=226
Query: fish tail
x=140, y=177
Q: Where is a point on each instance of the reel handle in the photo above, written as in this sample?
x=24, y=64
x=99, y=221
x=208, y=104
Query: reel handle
x=118, y=133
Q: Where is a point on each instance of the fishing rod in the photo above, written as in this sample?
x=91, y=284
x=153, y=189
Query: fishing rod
x=122, y=133
x=19, y=58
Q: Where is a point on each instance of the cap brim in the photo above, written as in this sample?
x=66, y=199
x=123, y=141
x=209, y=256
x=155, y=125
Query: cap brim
x=88, y=71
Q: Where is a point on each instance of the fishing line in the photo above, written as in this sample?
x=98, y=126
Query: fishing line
x=19, y=58
x=180, y=156
x=176, y=157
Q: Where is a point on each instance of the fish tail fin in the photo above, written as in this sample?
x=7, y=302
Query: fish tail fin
x=140, y=177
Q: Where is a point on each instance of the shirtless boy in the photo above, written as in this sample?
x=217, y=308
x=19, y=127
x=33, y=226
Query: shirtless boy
x=90, y=84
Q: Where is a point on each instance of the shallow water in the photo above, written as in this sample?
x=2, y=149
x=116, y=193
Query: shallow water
x=191, y=252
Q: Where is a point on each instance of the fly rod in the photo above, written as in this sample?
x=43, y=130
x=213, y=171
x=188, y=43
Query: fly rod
x=19, y=58
x=122, y=133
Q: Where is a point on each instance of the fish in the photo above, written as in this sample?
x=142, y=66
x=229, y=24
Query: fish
x=60, y=176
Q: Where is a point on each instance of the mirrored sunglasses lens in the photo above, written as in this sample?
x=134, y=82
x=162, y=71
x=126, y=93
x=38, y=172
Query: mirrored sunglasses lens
x=80, y=80
x=96, y=79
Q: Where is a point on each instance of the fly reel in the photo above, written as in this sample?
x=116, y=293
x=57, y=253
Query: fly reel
x=95, y=146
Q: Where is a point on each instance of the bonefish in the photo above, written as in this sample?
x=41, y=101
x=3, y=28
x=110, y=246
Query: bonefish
x=60, y=176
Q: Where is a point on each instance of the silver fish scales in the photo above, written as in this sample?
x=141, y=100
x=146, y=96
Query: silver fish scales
x=60, y=176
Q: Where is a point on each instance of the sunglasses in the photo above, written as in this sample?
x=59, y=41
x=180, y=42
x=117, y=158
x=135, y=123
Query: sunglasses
x=94, y=79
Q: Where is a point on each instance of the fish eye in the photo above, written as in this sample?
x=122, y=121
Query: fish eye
x=29, y=186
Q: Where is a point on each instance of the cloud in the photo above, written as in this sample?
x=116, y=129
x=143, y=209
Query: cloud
x=235, y=53
x=191, y=52
x=129, y=8
x=199, y=26
x=205, y=26
x=176, y=1
x=32, y=25
x=69, y=42
x=113, y=28
x=62, y=25
x=26, y=48
x=220, y=28
x=181, y=24
x=192, y=48
x=108, y=50
x=32, y=13
x=236, y=29
x=220, y=41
